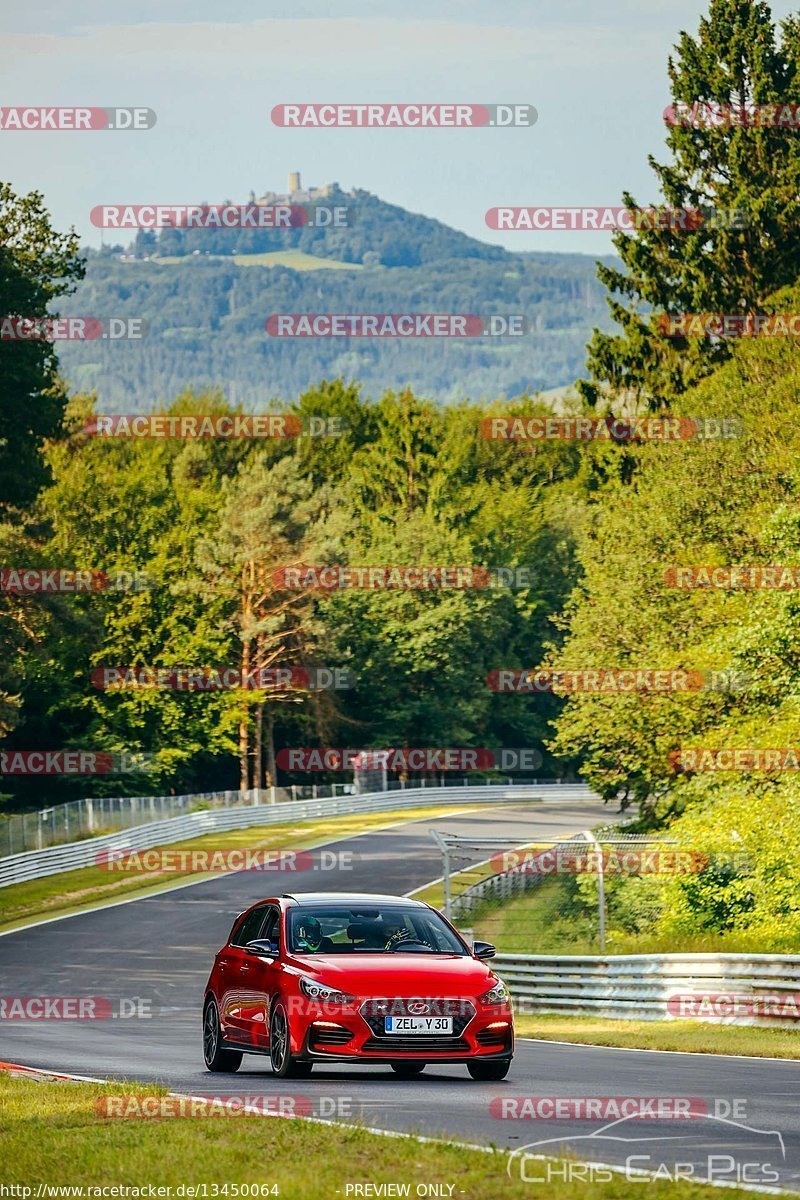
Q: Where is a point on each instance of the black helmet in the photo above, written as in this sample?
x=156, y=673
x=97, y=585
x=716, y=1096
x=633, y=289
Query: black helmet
x=310, y=932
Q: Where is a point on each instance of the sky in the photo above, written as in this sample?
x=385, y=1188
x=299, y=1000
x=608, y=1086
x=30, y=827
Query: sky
x=595, y=73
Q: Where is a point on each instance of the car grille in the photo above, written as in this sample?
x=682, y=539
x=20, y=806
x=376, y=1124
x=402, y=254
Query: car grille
x=492, y=1037
x=374, y=1012
x=330, y=1037
x=417, y=1043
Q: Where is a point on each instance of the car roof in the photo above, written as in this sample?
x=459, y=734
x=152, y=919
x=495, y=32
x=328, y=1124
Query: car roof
x=334, y=898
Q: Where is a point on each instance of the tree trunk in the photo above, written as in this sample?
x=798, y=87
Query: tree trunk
x=271, y=772
x=258, y=752
x=244, y=726
x=244, y=756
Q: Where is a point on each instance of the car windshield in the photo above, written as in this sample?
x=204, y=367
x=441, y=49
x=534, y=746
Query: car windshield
x=369, y=929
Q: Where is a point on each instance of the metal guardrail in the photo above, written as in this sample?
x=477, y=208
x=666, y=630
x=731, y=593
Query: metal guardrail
x=54, y=824
x=640, y=986
x=76, y=819
x=35, y=864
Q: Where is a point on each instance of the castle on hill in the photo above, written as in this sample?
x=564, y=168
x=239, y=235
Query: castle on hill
x=297, y=194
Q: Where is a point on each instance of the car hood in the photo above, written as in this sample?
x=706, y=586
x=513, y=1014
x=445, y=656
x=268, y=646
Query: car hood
x=398, y=974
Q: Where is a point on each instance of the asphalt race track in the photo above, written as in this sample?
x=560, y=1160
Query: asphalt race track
x=159, y=950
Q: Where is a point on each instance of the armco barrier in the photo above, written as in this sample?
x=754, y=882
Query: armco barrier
x=34, y=864
x=639, y=986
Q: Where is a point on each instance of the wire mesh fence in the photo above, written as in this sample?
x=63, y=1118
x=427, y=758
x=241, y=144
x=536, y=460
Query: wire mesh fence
x=584, y=885
x=77, y=819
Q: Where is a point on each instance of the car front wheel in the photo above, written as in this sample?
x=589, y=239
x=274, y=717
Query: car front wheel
x=217, y=1058
x=489, y=1071
x=284, y=1064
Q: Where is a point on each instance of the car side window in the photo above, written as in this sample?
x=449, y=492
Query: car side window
x=250, y=927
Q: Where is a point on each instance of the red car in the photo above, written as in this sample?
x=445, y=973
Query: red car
x=327, y=977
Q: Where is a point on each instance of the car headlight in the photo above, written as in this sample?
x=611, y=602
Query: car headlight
x=498, y=994
x=319, y=991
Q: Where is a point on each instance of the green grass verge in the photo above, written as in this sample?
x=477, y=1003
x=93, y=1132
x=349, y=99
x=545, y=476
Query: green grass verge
x=538, y=922
x=52, y=1134
x=695, y=1036
x=72, y=891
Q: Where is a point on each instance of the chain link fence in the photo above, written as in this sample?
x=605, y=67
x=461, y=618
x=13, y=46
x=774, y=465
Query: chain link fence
x=77, y=819
x=584, y=884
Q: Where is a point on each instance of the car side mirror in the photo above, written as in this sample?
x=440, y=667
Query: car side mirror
x=483, y=950
x=263, y=948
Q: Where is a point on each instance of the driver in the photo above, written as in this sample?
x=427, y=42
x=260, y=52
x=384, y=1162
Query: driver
x=311, y=937
x=397, y=932
x=392, y=931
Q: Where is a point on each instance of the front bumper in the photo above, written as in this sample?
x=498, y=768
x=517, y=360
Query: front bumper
x=479, y=1031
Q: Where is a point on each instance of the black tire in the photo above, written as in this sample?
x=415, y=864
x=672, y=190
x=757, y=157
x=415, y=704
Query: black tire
x=488, y=1072
x=216, y=1058
x=407, y=1070
x=284, y=1063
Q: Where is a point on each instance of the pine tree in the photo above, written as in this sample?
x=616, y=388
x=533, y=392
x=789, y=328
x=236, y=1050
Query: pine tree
x=37, y=266
x=748, y=174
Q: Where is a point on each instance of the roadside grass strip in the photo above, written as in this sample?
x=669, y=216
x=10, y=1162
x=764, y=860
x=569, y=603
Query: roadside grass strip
x=55, y=1139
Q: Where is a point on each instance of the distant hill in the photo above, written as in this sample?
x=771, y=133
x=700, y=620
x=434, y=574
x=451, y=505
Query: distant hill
x=207, y=293
x=377, y=234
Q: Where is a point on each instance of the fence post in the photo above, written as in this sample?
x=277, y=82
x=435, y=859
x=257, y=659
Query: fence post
x=445, y=849
x=89, y=815
x=601, y=891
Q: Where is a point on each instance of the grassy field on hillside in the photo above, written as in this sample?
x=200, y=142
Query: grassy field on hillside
x=296, y=260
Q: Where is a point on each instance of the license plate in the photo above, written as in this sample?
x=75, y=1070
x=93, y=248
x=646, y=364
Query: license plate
x=418, y=1024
